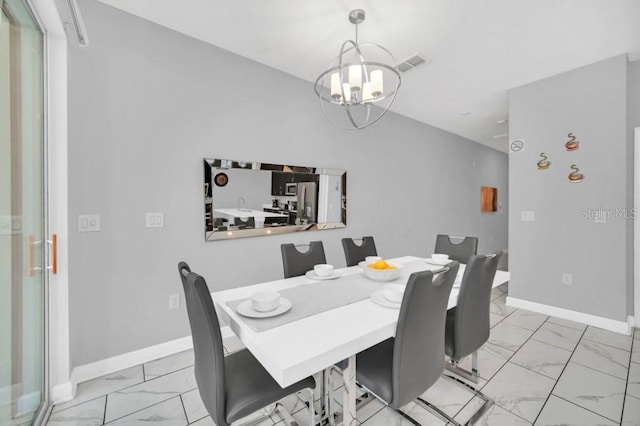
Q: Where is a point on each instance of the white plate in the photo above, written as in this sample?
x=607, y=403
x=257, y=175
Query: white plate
x=435, y=262
x=313, y=276
x=378, y=297
x=245, y=309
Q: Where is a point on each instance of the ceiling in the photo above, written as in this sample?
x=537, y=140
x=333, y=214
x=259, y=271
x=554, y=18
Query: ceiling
x=476, y=50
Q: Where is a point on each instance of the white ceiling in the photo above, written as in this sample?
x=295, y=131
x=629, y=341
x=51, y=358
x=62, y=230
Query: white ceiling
x=476, y=49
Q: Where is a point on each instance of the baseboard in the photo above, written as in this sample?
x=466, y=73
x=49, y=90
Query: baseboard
x=62, y=393
x=621, y=327
x=28, y=403
x=100, y=368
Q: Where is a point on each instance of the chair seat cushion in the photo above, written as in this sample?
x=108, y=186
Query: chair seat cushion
x=374, y=369
x=249, y=387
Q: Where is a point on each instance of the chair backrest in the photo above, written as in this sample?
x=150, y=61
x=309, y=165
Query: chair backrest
x=296, y=263
x=471, y=323
x=207, y=343
x=457, y=251
x=418, y=352
x=355, y=253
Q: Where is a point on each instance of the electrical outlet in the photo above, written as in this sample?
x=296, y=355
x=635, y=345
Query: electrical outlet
x=527, y=216
x=567, y=279
x=174, y=301
x=155, y=220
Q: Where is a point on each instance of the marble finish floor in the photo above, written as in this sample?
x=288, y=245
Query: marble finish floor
x=538, y=369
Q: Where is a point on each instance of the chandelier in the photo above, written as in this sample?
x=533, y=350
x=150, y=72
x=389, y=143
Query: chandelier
x=360, y=84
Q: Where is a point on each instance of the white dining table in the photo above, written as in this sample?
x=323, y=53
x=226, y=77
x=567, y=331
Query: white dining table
x=301, y=348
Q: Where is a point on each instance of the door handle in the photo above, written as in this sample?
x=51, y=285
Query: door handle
x=32, y=256
x=54, y=254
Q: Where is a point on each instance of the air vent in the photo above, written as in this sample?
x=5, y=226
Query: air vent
x=411, y=62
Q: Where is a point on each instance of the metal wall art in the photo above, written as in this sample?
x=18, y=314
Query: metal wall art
x=544, y=163
x=574, y=176
x=572, y=144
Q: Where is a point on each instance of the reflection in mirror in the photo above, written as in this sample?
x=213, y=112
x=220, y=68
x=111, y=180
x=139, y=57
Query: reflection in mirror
x=246, y=199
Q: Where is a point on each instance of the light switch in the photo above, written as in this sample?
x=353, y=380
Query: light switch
x=527, y=216
x=155, y=220
x=89, y=223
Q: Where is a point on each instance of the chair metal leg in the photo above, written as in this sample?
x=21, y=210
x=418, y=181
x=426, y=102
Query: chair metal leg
x=472, y=375
x=307, y=396
x=488, y=402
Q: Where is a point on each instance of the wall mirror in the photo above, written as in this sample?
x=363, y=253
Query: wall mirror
x=248, y=199
x=488, y=199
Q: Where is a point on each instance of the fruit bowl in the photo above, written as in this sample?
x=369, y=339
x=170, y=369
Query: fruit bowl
x=378, y=273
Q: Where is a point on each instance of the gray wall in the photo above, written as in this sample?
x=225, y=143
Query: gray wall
x=591, y=102
x=633, y=121
x=147, y=104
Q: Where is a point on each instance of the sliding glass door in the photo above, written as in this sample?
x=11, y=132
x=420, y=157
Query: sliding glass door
x=22, y=216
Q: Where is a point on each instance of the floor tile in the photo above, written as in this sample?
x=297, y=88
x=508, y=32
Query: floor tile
x=233, y=344
x=422, y=415
x=494, y=416
x=87, y=414
x=567, y=323
x=591, y=389
x=526, y=319
x=524, y=401
x=603, y=358
x=134, y=398
x=557, y=411
x=498, y=306
x=448, y=395
x=635, y=356
x=633, y=382
x=372, y=408
x=558, y=335
x=388, y=417
x=193, y=405
x=631, y=414
x=508, y=336
x=490, y=359
x=167, y=413
x=204, y=422
x=104, y=385
x=609, y=338
x=542, y=358
x=494, y=319
x=168, y=364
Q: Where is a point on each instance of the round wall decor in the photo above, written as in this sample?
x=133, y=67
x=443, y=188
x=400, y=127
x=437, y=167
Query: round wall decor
x=221, y=179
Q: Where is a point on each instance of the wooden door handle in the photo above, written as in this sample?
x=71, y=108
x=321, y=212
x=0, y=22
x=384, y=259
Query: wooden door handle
x=54, y=253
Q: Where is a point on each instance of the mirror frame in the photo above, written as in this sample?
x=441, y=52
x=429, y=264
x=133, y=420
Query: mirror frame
x=214, y=166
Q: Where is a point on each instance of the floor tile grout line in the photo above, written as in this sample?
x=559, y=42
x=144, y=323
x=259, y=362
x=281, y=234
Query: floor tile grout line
x=184, y=410
x=626, y=386
x=560, y=376
x=142, y=409
x=104, y=411
x=584, y=408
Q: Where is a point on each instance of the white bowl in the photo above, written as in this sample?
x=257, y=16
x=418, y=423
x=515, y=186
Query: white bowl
x=265, y=301
x=440, y=258
x=394, y=292
x=372, y=259
x=382, y=274
x=323, y=270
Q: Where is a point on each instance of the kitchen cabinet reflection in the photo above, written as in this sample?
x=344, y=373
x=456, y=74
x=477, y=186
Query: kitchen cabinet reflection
x=247, y=199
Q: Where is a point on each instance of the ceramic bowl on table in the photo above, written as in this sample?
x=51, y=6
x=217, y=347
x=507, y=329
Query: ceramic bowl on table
x=265, y=301
x=382, y=275
x=440, y=258
x=323, y=270
x=394, y=292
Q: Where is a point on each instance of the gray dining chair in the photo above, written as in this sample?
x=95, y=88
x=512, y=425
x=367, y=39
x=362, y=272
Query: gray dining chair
x=400, y=369
x=355, y=253
x=237, y=385
x=296, y=263
x=468, y=326
x=459, y=251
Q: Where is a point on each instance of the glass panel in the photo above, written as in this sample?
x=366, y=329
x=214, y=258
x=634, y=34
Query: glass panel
x=21, y=216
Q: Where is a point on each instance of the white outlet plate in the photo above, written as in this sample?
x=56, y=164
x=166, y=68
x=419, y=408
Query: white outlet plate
x=527, y=216
x=174, y=301
x=567, y=279
x=88, y=223
x=155, y=220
